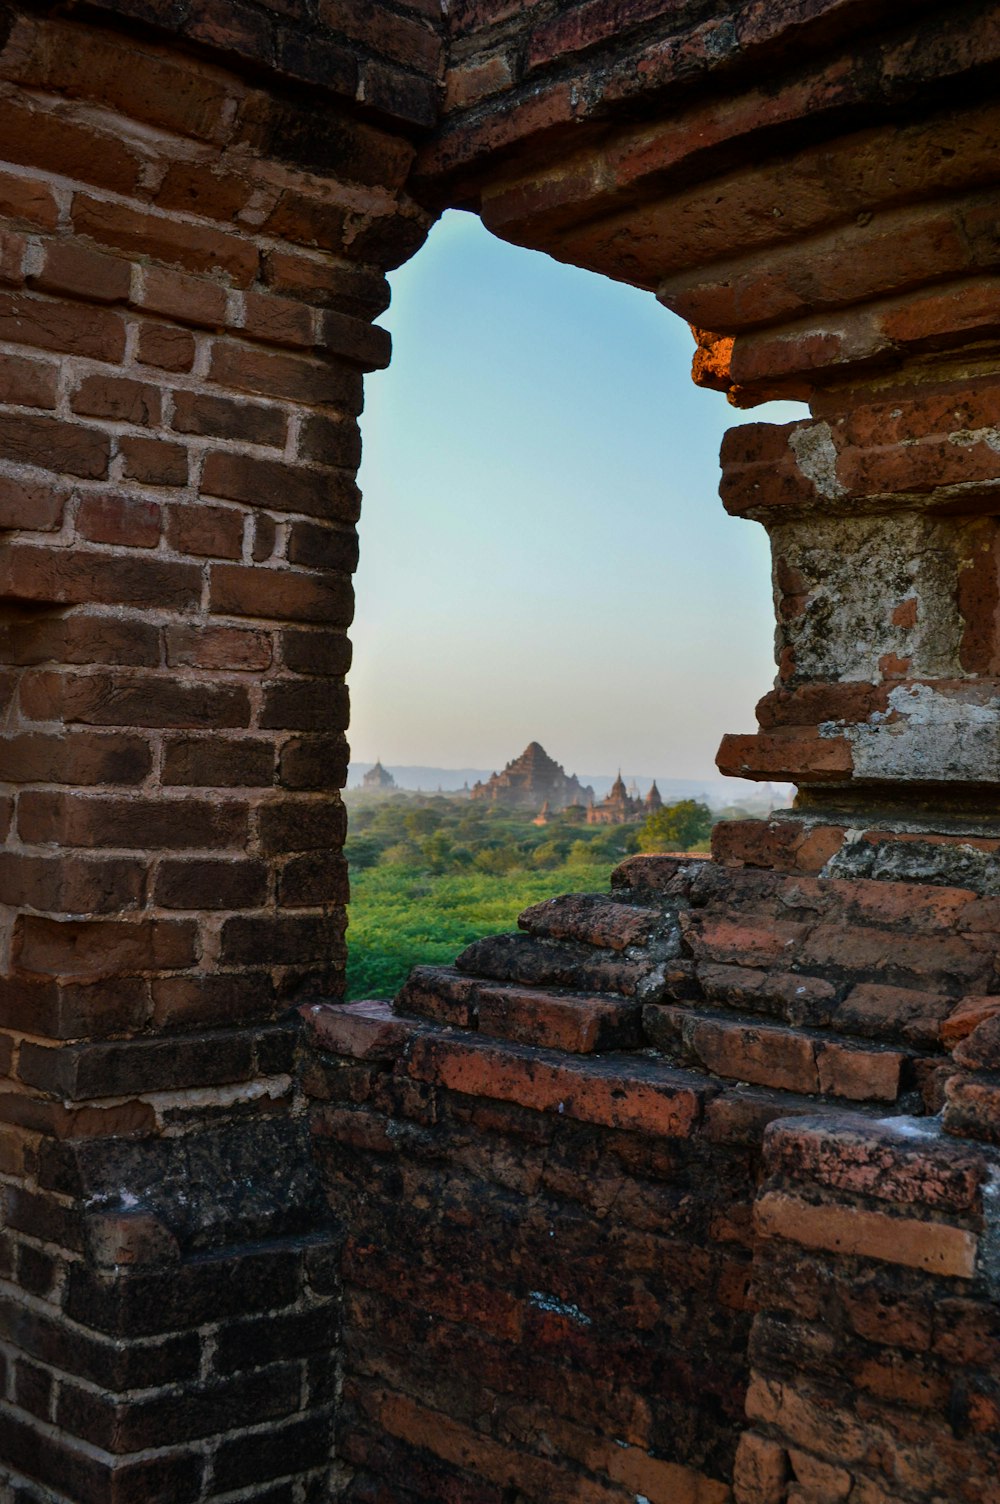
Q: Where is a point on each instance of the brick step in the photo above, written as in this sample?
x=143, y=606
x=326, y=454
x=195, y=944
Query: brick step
x=867, y=902
x=593, y=919
x=904, y=1016
x=534, y=961
x=580, y=1023
x=783, y=1059
x=942, y=960
x=644, y=878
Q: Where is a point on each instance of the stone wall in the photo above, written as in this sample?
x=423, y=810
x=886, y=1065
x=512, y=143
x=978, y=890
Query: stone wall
x=192, y=258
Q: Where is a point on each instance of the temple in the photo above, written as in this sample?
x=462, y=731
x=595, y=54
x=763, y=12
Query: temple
x=621, y=807
x=530, y=781
x=684, y=1193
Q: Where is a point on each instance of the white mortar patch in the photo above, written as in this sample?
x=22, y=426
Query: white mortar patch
x=816, y=456
x=935, y=738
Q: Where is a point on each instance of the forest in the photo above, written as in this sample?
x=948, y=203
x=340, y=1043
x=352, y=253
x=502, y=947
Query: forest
x=431, y=873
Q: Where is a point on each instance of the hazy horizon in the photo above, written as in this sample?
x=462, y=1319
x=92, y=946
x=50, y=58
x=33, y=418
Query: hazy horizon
x=544, y=555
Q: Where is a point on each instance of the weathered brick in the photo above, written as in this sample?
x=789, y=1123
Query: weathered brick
x=190, y=300
x=854, y=1232
x=280, y=487
x=166, y=348
x=137, y=233
x=281, y=595
x=69, y=328
x=154, y=462
x=224, y=418
x=49, y=443
x=205, y=531
x=62, y=576
x=123, y=400
x=123, y=520
x=82, y=273
x=218, y=762
x=130, y=824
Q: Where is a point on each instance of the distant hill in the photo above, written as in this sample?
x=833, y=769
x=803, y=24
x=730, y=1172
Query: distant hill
x=715, y=792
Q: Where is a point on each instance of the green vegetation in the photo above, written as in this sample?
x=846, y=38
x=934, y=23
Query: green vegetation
x=677, y=827
x=430, y=874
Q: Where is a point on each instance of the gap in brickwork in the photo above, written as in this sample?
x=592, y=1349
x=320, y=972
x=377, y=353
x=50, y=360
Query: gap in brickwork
x=543, y=551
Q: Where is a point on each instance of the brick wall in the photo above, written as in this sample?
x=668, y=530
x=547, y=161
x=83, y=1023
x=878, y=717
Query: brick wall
x=191, y=259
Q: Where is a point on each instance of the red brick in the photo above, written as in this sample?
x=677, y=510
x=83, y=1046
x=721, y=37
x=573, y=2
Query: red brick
x=153, y=462
x=967, y=1014
x=276, y=320
x=634, y=1095
x=69, y=328
x=798, y=756
x=28, y=383
x=51, y=444
x=390, y=35
x=130, y=824
x=38, y=138
x=203, y=188
x=82, y=757
x=218, y=762
x=363, y=1030
x=293, y=377
x=330, y=441
x=315, y=546
x=281, y=594
x=212, y=1001
x=224, y=418
x=117, y=398
x=204, y=884
x=301, y=824
x=218, y=647
x=580, y=1025
x=291, y=706
x=122, y=520
x=29, y=201
x=367, y=345
x=33, y=508
x=103, y=947
x=325, y=282
x=318, y=878
x=63, y=576
x=265, y=538
x=280, y=487
x=131, y=699
x=197, y=248
x=854, y=1232
x=208, y=532
x=145, y=83
x=83, y=637
x=70, y=268
x=12, y=250
x=316, y=652
x=477, y=79
x=283, y=939
x=165, y=348
x=191, y=300
x=71, y=885
x=313, y=762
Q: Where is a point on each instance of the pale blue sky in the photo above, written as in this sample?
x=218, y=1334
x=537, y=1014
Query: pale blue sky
x=543, y=551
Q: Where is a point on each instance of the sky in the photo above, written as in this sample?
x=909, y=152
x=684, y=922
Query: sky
x=543, y=552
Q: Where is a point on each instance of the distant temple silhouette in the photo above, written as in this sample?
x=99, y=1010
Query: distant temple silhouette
x=622, y=807
x=531, y=781
x=378, y=778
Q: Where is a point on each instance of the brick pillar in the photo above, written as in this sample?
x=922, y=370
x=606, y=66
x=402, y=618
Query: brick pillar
x=881, y=514
x=190, y=263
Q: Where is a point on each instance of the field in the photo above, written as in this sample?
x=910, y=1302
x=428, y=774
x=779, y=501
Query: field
x=399, y=917
x=429, y=874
